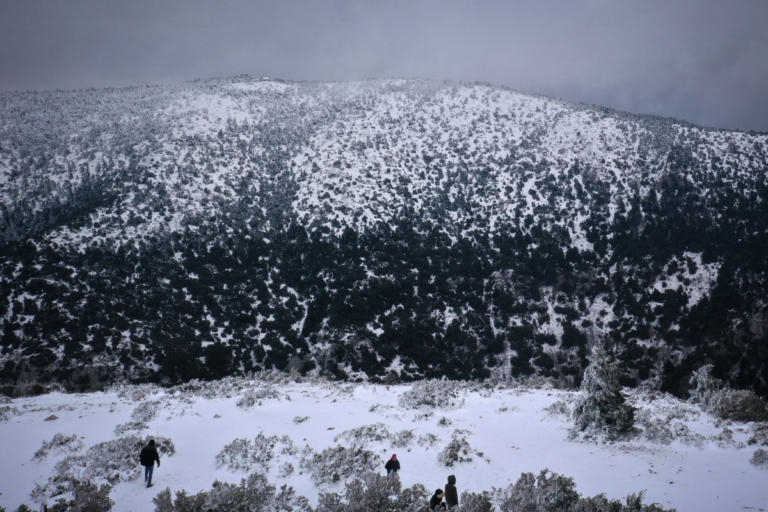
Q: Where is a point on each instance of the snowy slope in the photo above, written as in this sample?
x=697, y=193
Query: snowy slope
x=391, y=229
x=516, y=428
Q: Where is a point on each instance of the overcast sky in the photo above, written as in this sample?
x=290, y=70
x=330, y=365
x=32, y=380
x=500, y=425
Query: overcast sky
x=705, y=61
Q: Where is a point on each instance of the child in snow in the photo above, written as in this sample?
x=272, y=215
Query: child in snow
x=392, y=465
x=436, y=502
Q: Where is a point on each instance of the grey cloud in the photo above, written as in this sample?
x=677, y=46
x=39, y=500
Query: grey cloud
x=700, y=60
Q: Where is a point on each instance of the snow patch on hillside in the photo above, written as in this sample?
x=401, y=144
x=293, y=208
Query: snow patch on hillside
x=689, y=275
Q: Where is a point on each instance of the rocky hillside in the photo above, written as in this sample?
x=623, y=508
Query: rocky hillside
x=385, y=229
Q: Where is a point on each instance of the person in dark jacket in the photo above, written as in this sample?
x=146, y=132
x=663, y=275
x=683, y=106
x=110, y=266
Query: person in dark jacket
x=147, y=458
x=451, y=495
x=392, y=465
x=436, y=502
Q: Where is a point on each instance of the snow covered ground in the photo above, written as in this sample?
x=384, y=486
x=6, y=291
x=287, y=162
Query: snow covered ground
x=509, y=430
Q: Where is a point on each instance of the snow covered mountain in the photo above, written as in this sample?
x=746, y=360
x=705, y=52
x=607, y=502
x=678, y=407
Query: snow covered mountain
x=385, y=229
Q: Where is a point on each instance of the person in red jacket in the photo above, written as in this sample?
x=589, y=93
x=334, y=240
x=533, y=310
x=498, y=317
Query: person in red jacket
x=392, y=465
x=147, y=458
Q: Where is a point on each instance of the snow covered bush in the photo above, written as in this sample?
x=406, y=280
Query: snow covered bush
x=364, y=434
x=444, y=422
x=256, y=396
x=432, y=393
x=6, y=412
x=558, y=408
x=738, y=405
x=759, y=434
x=253, y=494
x=108, y=462
x=552, y=492
x=402, y=439
x=338, y=463
x=59, y=444
x=664, y=429
x=428, y=440
x=246, y=455
x=703, y=385
x=457, y=451
x=117, y=460
x=547, y=492
x=131, y=426
x=601, y=410
x=474, y=502
x=760, y=458
x=725, y=403
x=632, y=503
x=86, y=497
x=373, y=492
x=285, y=470
x=146, y=411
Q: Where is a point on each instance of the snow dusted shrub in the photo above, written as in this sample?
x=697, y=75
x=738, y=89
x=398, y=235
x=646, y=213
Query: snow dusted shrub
x=108, y=462
x=457, y=450
x=760, y=458
x=135, y=392
x=131, y=426
x=759, y=434
x=6, y=412
x=373, y=492
x=87, y=497
x=338, y=463
x=664, y=429
x=432, y=393
x=429, y=439
x=256, y=396
x=365, y=434
x=236, y=455
x=474, y=502
x=601, y=410
x=738, y=405
x=285, y=470
x=402, y=439
x=245, y=455
x=558, y=408
x=632, y=503
x=59, y=444
x=703, y=386
x=146, y=411
x=723, y=402
x=253, y=494
x=548, y=492
x=552, y=492
x=117, y=460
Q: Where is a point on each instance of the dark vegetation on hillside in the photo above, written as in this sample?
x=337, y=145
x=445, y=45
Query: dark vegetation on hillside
x=244, y=283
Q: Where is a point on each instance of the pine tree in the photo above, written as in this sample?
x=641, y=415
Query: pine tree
x=601, y=410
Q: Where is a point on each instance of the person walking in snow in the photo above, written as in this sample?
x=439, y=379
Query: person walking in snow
x=392, y=465
x=436, y=502
x=451, y=495
x=147, y=458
